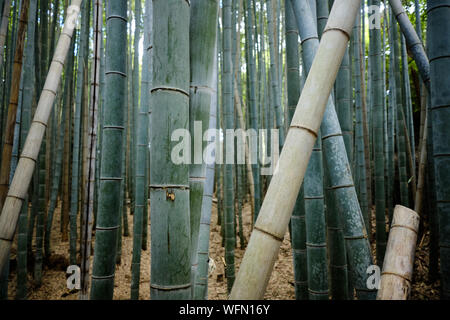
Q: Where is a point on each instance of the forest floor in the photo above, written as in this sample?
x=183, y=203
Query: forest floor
x=280, y=287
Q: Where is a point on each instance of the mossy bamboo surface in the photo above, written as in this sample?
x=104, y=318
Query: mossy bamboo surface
x=283, y=190
x=169, y=188
x=25, y=167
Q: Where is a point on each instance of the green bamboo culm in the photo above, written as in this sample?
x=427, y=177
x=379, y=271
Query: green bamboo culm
x=439, y=52
x=254, y=121
x=28, y=86
x=228, y=199
x=400, y=132
x=111, y=159
x=169, y=176
x=141, y=164
x=275, y=101
x=201, y=278
x=202, y=37
x=377, y=97
x=82, y=61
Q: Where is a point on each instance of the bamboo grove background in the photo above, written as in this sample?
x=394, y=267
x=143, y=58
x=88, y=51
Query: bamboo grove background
x=109, y=92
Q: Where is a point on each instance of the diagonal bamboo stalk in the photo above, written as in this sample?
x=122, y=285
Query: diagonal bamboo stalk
x=281, y=195
x=413, y=41
x=28, y=158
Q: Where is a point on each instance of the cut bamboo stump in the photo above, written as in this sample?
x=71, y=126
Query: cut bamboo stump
x=399, y=260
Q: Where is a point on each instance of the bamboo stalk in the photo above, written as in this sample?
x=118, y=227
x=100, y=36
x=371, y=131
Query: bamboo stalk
x=412, y=41
x=398, y=263
x=281, y=196
x=169, y=194
x=4, y=29
x=13, y=102
x=88, y=204
x=103, y=271
x=202, y=34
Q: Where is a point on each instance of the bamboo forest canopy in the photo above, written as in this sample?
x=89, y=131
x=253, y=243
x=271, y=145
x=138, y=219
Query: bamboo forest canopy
x=160, y=148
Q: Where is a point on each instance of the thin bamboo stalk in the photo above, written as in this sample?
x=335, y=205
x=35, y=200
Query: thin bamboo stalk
x=4, y=28
x=13, y=102
x=88, y=188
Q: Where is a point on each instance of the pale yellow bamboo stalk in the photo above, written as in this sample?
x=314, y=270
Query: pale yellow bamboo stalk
x=27, y=160
x=4, y=29
x=276, y=210
x=399, y=259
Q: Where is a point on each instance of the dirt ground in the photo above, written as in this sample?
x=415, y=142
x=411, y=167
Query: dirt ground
x=281, y=286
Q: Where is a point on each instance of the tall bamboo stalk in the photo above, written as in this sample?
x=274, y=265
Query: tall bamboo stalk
x=377, y=105
x=25, y=167
x=439, y=51
x=4, y=28
x=141, y=163
x=280, y=198
x=202, y=33
x=13, y=102
x=102, y=284
x=227, y=84
x=88, y=189
x=201, y=278
x=169, y=193
x=75, y=179
x=275, y=102
x=400, y=133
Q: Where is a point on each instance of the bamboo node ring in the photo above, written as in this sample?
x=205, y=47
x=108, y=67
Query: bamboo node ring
x=305, y=128
x=269, y=233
